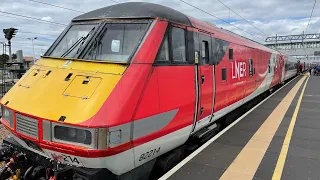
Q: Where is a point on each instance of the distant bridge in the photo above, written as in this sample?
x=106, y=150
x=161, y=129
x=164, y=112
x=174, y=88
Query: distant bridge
x=299, y=37
x=304, y=46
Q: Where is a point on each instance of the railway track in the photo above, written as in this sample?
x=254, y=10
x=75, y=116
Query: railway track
x=3, y=133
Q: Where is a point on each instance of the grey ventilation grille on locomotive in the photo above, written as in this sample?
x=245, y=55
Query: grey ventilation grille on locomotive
x=27, y=126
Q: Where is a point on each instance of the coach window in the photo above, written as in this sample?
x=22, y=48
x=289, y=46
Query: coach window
x=224, y=74
x=205, y=52
x=230, y=54
x=178, y=40
x=163, y=54
x=251, y=67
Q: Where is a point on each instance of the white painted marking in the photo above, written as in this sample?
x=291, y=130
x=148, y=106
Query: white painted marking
x=312, y=95
x=264, y=74
x=196, y=152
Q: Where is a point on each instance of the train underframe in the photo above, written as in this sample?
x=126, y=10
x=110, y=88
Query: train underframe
x=21, y=163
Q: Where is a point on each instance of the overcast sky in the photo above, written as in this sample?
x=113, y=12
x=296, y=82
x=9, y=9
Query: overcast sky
x=282, y=17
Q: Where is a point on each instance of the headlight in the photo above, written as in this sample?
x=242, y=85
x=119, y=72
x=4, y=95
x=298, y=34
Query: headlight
x=7, y=116
x=92, y=138
x=72, y=134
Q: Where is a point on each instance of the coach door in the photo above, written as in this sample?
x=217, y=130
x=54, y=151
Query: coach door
x=271, y=68
x=205, y=76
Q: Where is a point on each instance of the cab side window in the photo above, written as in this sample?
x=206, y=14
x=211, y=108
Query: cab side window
x=173, y=48
x=178, y=44
x=163, y=54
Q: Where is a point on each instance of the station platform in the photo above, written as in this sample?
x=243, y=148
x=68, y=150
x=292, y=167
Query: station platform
x=277, y=139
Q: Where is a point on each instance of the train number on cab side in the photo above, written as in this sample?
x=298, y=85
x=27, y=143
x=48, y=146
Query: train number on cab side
x=149, y=154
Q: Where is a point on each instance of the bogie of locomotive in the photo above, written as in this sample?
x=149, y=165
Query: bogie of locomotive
x=125, y=84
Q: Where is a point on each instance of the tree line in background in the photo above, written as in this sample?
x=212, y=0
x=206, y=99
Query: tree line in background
x=5, y=58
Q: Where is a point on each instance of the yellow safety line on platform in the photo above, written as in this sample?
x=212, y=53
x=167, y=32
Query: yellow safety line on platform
x=248, y=160
x=285, y=147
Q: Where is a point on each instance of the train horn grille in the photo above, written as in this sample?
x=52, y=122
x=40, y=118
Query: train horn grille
x=27, y=126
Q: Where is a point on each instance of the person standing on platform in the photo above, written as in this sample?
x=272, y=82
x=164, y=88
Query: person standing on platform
x=310, y=70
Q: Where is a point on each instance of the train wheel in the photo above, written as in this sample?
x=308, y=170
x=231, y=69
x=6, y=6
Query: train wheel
x=168, y=161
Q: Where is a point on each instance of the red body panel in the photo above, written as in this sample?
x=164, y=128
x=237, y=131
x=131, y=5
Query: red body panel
x=239, y=84
x=121, y=103
x=237, y=74
x=176, y=90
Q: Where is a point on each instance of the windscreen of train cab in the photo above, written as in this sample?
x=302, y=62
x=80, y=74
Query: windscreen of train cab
x=117, y=42
x=73, y=40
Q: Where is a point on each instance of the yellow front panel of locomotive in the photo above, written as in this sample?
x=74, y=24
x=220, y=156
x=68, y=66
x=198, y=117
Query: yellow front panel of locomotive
x=48, y=96
x=82, y=87
x=33, y=77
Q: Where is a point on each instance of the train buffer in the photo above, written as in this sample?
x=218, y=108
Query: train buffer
x=277, y=139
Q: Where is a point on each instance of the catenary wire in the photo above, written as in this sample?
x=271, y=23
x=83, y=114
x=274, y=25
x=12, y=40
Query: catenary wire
x=53, y=5
x=28, y=17
x=243, y=18
x=220, y=19
x=315, y=1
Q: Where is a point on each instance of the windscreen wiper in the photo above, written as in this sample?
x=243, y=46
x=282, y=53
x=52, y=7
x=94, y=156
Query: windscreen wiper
x=94, y=48
x=80, y=40
x=85, y=39
x=72, y=47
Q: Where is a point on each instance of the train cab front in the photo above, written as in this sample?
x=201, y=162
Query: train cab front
x=75, y=105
